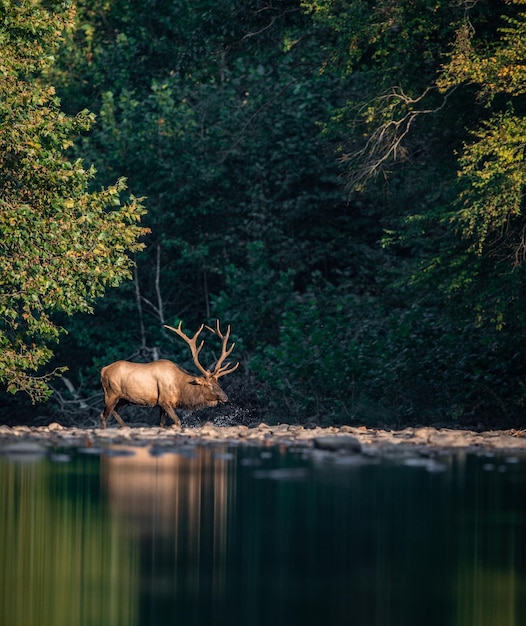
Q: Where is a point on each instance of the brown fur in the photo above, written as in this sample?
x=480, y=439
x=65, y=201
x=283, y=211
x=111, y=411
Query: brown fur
x=159, y=383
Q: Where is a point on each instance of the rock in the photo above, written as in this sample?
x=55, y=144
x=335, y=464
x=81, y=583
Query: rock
x=55, y=426
x=424, y=432
x=342, y=443
x=431, y=465
x=450, y=438
x=256, y=434
x=295, y=428
x=405, y=433
x=500, y=440
x=60, y=458
x=24, y=451
x=209, y=430
x=280, y=429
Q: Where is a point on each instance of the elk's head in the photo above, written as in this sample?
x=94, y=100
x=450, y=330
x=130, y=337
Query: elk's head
x=210, y=388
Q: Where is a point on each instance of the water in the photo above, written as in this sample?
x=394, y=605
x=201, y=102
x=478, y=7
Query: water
x=250, y=536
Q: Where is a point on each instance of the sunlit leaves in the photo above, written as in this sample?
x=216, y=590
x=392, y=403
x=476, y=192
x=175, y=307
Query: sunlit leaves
x=497, y=66
x=494, y=176
x=60, y=244
x=492, y=167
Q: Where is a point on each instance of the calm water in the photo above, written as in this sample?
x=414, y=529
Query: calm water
x=253, y=537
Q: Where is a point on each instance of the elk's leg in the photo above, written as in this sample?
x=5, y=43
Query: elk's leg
x=118, y=418
x=119, y=404
x=110, y=409
x=166, y=409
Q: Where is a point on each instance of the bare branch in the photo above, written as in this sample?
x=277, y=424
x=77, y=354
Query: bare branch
x=160, y=308
x=75, y=394
x=138, y=299
x=269, y=25
x=386, y=141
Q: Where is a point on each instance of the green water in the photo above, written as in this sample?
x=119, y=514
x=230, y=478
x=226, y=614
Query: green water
x=251, y=536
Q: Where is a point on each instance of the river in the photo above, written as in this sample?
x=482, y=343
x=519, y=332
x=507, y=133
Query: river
x=247, y=535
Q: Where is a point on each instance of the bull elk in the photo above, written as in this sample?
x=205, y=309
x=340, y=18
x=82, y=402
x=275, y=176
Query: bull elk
x=164, y=384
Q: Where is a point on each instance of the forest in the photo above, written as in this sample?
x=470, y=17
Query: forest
x=341, y=181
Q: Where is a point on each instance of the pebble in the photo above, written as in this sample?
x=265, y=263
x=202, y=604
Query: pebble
x=55, y=426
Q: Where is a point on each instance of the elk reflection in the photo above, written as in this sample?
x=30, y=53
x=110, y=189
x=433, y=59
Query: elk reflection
x=177, y=506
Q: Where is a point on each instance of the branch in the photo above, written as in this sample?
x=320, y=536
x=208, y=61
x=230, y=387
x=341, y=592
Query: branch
x=138, y=298
x=386, y=141
x=74, y=393
x=160, y=308
x=271, y=23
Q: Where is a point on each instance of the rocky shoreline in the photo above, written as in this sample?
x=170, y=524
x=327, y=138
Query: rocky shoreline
x=344, y=440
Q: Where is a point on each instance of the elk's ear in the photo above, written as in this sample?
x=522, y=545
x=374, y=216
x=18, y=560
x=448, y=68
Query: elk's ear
x=197, y=381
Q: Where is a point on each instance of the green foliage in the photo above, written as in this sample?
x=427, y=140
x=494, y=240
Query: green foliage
x=264, y=292
x=227, y=156
x=341, y=182
x=492, y=170
x=60, y=245
x=454, y=227
x=494, y=176
x=313, y=367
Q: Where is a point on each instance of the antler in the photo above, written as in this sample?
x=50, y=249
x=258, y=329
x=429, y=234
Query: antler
x=193, y=345
x=219, y=369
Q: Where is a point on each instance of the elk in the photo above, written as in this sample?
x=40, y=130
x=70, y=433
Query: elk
x=164, y=384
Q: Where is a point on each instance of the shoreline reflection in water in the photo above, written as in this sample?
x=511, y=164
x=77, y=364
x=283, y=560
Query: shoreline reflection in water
x=160, y=536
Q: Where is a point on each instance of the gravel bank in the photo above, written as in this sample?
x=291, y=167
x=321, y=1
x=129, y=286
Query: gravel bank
x=346, y=440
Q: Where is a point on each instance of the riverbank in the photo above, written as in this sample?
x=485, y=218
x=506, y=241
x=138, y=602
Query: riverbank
x=344, y=440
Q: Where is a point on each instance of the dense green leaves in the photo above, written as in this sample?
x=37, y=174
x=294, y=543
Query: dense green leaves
x=60, y=245
x=492, y=168
x=342, y=182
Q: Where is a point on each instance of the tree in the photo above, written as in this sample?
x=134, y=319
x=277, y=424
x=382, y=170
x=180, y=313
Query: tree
x=61, y=245
x=492, y=162
x=225, y=143
x=439, y=145
x=237, y=118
